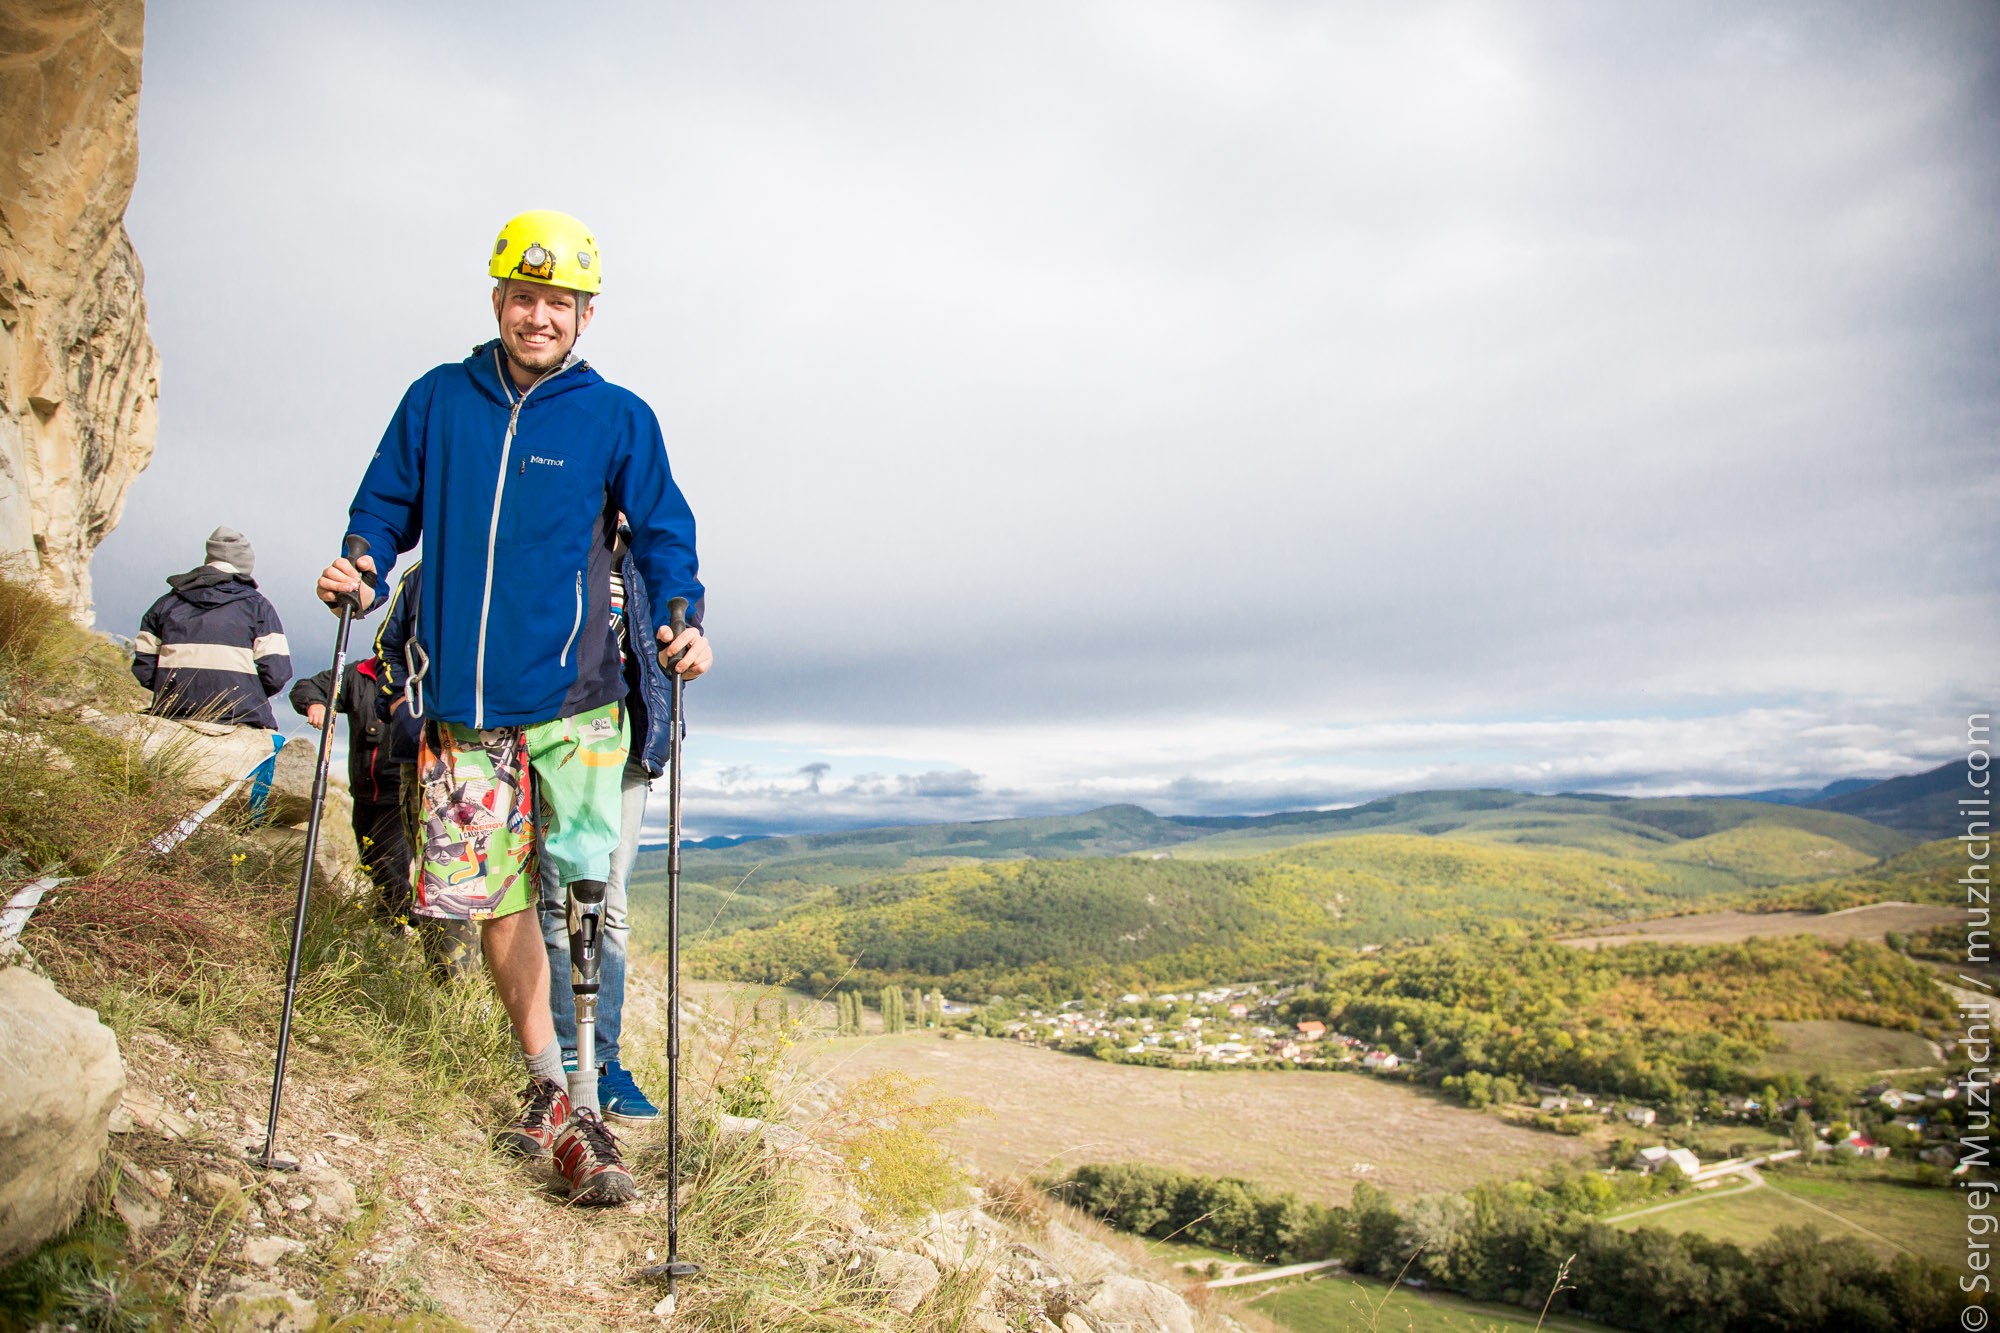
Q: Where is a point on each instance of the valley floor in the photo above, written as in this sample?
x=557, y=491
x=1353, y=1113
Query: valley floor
x=1316, y=1134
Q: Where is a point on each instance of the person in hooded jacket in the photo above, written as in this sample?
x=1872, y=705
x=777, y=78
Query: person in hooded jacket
x=213, y=648
x=450, y=946
x=374, y=778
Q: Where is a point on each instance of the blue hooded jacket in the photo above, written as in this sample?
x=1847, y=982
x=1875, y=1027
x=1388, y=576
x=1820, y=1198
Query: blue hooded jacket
x=648, y=699
x=516, y=499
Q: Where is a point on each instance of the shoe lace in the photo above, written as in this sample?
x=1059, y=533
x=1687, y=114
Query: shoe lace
x=603, y=1143
x=538, y=1100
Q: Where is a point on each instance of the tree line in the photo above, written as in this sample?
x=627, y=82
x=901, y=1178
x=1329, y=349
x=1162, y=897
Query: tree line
x=1528, y=1242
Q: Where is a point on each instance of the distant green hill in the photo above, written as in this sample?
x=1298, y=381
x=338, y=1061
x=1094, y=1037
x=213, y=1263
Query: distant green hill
x=1925, y=874
x=1060, y=926
x=789, y=867
x=863, y=854
x=1925, y=804
x=1656, y=826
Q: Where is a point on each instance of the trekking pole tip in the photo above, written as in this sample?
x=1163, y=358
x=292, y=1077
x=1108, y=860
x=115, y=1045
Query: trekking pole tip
x=672, y=1269
x=265, y=1158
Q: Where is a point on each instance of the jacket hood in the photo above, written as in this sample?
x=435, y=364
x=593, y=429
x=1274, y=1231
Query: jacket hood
x=205, y=585
x=486, y=363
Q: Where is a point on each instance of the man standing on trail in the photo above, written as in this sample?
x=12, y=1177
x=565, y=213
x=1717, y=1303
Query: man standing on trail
x=512, y=467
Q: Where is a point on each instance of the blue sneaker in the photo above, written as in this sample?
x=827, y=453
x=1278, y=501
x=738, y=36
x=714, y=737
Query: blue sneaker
x=621, y=1098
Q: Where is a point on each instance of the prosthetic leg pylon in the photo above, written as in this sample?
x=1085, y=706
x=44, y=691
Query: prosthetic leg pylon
x=586, y=957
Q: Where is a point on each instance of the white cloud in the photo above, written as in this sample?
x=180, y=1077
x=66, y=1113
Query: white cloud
x=1052, y=367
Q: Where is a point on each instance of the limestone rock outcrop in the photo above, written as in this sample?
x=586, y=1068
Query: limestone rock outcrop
x=79, y=376
x=63, y=1077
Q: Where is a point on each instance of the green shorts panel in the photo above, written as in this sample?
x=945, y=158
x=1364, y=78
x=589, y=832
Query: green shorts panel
x=579, y=766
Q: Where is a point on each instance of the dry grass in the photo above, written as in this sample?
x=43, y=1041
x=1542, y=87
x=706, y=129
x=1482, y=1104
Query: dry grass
x=1313, y=1133
x=395, y=1084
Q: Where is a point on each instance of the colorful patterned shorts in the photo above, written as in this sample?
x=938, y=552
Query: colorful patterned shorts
x=474, y=810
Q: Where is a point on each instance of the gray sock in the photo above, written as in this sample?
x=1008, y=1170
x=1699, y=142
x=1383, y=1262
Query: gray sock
x=546, y=1063
x=583, y=1091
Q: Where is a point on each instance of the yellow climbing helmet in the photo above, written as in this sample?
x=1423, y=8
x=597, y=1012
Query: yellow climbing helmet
x=543, y=245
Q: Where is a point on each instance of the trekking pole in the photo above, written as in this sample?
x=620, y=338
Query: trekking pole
x=349, y=603
x=675, y=1266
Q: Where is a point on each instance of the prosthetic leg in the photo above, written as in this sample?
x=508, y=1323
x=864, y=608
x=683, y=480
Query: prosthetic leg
x=585, y=1151
x=586, y=955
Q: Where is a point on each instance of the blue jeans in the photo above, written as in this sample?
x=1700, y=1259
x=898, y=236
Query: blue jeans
x=555, y=931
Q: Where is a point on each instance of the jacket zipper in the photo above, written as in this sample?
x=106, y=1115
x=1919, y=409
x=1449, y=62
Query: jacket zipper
x=493, y=529
x=577, y=627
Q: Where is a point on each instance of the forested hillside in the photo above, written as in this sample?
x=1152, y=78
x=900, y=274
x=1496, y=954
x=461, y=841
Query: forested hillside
x=1646, y=1020
x=1067, y=926
x=1717, y=843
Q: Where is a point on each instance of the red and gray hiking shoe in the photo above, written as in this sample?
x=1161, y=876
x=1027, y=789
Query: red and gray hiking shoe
x=544, y=1106
x=587, y=1155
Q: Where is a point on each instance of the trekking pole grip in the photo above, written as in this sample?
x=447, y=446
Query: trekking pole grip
x=353, y=548
x=677, y=619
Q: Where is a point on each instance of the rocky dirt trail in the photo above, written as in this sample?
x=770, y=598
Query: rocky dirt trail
x=393, y=1217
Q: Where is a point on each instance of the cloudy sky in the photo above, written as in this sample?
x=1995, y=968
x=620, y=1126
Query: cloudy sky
x=1218, y=406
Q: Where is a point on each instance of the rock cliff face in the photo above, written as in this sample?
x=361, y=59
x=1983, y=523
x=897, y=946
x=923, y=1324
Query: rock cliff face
x=79, y=377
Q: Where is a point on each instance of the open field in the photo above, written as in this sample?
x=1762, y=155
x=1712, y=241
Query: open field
x=1847, y=1050
x=1883, y=1209
x=1928, y=1221
x=1856, y=923
x=1346, y=1304
x=1312, y=1133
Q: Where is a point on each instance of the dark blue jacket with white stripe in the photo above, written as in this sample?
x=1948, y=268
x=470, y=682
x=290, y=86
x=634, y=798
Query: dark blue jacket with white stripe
x=213, y=648
x=515, y=498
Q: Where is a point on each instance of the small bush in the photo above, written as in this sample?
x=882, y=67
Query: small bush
x=887, y=1133
x=80, y=1280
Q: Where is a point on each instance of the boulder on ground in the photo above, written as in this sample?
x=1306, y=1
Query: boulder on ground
x=63, y=1078
x=905, y=1280
x=267, y=1251
x=333, y=1196
x=1133, y=1303
x=250, y=1306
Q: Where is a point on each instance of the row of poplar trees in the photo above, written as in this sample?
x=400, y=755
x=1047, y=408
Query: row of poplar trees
x=900, y=1009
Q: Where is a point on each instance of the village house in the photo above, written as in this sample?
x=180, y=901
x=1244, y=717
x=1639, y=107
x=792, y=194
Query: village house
x=1311, y=1030
x=1380, y=1061
x=1642, y=1116
x=1654, y=1158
